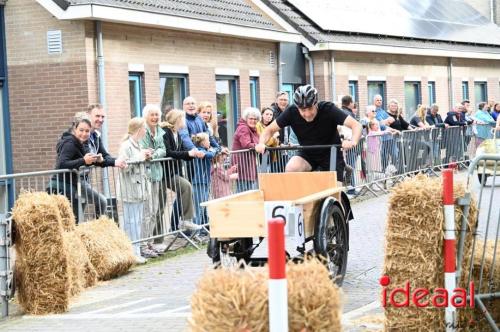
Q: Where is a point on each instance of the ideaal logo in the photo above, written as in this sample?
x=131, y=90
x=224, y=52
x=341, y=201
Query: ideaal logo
x=422, y=297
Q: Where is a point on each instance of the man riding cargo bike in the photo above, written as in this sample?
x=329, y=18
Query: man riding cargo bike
x=314, y=206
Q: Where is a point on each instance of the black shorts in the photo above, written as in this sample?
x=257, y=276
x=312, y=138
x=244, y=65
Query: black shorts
x=322, y=163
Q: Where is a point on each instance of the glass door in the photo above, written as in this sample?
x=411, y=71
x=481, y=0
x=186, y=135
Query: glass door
x=134, y=85
x=376, y=88
x=227, y=109
x=288, y=88
x=412, y=98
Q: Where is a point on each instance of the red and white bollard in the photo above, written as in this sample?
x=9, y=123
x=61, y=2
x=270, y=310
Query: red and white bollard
x=278, y=290
x=449, y=246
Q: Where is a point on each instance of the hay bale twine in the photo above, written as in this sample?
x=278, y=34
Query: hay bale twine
x=237, y=300
x=83, y=273
x=108, y=247
x=413, y=250
x=67, y=215
x=42, y=269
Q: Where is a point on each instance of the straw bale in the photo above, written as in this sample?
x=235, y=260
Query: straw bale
x=314, y=301
x=42, y=269
x=413, y=249
x=83, y=273
x=67, y=215
x=108, y=247
x=237, y=300
x=230, y=300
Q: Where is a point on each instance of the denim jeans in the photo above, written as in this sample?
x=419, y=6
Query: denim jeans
x=133, y=215
x=200, y=193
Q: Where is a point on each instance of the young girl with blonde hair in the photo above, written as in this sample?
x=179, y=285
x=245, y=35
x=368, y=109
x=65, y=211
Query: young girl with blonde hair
x=133, y=186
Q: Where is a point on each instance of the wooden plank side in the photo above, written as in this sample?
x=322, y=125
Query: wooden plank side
x=318, y=195
x=294, y=185
x=230, y=219
x=310, y=211
x=250, y=195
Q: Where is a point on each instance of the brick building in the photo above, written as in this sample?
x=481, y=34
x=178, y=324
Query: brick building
x=233, y=53
x=151, y=54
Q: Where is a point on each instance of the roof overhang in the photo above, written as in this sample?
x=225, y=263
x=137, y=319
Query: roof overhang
x=157, y=20
x=372, y=48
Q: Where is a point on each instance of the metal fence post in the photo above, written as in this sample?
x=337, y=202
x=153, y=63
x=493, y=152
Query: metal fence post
x=4, y=265
x=79, y=200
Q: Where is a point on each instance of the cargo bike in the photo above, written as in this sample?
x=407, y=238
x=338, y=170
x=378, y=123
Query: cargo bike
x=315, y=209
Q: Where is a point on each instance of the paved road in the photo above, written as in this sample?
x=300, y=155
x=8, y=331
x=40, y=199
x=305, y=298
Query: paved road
x=156, y=297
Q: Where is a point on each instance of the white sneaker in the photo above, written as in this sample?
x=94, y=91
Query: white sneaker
x=140, y=260
x=189, y=225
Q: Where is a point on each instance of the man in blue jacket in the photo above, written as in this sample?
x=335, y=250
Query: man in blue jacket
x=194, y=125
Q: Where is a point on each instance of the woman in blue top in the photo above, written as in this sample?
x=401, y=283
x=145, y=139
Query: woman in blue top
x=201, y=176
x=484, y=123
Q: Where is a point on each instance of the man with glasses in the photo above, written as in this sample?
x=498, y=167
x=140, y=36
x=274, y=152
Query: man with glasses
x=314, y=123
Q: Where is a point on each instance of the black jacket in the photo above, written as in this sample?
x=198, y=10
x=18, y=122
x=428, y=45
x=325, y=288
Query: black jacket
x=96, y=143
x=70, y=153
x=455, y=119
x=434, y=120
x=348, y=111
x=175, y=151
x=399, y=123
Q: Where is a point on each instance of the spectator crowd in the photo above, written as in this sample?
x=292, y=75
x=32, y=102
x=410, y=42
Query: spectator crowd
x=170, y=161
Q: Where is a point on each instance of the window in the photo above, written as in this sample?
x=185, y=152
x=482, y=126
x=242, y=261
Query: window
x=413, y=97
x=173, y=90
x=254, y=92
x=376, y=88
x=135, y=91
x=353, y=90
x=227, y=108
x=465, y=90
x=431, y=89
x=480, y=92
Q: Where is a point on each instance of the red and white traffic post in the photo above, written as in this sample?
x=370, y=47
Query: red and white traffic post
x=449, y=246
x=278, y=290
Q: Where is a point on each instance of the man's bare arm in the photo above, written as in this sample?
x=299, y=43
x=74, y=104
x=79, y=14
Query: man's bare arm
x=266, y=135
x=356, y=128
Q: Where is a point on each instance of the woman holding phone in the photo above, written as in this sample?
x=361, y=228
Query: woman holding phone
x=72, y=153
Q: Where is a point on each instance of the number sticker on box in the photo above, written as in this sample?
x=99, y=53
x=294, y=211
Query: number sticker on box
x=292, y=215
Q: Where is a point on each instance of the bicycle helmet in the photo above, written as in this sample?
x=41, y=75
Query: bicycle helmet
x=305, y=96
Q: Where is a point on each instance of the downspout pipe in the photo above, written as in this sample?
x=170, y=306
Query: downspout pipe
x=280, y=69
x=102, y=100
x=450, y=84
x=101, y=80
x=333, y=76
x=305, y=51
x=492, y=11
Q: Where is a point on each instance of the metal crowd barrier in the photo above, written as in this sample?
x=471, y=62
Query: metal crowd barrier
x=487, y=229
x=10, y=188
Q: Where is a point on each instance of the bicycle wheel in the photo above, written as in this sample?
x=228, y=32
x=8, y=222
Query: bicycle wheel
x=330, y=239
